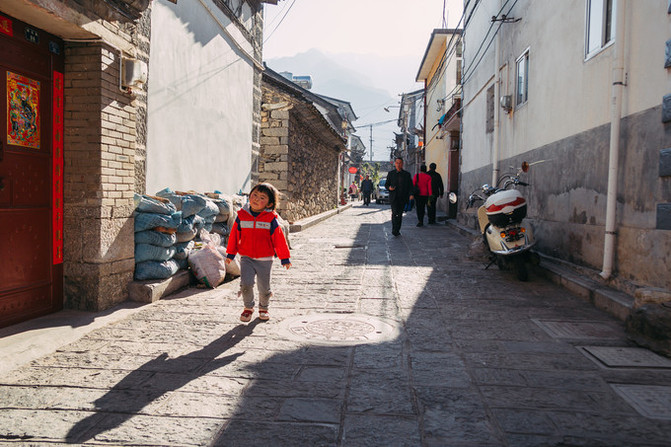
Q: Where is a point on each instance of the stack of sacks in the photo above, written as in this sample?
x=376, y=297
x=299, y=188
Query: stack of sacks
x=222, y=221
x=190, y=205
x=156, y=222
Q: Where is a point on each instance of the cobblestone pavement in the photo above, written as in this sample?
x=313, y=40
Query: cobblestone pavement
x=373, y=341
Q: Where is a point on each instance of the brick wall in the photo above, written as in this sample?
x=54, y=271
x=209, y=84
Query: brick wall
x=100, y=134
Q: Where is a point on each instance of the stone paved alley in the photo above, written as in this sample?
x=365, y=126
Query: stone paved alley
x=373, y=341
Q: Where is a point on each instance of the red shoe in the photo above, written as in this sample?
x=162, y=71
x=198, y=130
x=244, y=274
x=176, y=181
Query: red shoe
x=246, y=315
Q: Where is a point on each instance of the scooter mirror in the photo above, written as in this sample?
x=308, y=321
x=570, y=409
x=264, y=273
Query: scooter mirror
x=525, y=166
x=452, y=197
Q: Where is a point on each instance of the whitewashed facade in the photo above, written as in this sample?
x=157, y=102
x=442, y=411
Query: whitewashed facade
x=568, y=85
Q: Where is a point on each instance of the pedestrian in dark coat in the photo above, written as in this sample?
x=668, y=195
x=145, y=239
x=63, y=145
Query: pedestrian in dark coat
x=437, y=189
x=366, y=190
x=399, y=184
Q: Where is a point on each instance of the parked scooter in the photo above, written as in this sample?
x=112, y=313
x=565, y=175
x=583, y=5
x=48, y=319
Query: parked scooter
x=500, y=218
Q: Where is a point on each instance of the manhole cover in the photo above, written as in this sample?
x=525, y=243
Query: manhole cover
x=653, y=402
x=339, y=329
x=620, y=357
x=578, y=329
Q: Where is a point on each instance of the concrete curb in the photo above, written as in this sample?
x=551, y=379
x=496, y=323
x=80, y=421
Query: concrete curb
x=314, y=220
x=154, y=290
x=614, y=302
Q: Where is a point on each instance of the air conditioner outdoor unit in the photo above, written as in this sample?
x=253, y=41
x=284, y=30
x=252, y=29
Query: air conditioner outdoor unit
x=507, y=102
x=133, y=73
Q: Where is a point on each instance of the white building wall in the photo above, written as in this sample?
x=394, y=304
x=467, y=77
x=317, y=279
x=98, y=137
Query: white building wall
x=568, y=94
x=200, y=100
x=564, y=128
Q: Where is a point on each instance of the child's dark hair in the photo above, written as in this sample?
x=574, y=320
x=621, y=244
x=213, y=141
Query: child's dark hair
x=270, y=191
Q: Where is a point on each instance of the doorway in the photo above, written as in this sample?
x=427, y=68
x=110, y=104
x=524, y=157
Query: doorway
x=31, y=172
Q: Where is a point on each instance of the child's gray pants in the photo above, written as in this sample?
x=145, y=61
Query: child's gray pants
x=249, y=268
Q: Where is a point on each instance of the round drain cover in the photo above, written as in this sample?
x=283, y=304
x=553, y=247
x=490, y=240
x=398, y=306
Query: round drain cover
x=339, y=329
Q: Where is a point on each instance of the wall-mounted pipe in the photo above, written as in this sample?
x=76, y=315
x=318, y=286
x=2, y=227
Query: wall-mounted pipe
x=617, y=88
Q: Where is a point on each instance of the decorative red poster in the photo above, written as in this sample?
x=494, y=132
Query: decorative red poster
x=57, y=164
x=23, y=111
x=6, y=26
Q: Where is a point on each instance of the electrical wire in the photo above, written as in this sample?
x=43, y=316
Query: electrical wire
x=466, y=78
x=280, y=22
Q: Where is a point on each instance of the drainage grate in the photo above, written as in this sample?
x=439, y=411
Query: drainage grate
x=620, y=357
x=653, y=402
x=578, y=329
x=349, y=246
x=339, y=329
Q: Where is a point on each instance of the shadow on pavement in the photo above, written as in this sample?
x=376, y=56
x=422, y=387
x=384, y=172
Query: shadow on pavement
x=125, y=399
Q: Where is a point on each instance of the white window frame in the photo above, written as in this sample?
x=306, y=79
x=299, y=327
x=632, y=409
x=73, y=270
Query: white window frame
x=599, y=26
x=522, y=85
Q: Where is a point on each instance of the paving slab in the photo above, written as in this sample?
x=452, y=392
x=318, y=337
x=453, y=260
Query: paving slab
x=373, y=340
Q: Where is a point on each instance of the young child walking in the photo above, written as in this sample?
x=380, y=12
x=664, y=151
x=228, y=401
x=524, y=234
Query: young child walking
x=257, y=236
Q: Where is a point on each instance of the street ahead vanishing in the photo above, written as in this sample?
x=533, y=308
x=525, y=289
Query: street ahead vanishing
x=374, y=340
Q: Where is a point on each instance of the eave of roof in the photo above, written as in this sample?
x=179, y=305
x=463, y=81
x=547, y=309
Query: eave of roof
x=305, y=97
x=439, y=37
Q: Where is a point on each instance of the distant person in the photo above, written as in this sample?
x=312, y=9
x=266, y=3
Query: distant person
x=437, y=190
x=353, y=191
x=422, y=187
x=258, y=237
x=399, y=184
x=366, y=190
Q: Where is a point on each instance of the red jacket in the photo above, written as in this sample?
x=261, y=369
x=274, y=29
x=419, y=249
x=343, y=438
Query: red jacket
x=257, y=237
x=423, y=181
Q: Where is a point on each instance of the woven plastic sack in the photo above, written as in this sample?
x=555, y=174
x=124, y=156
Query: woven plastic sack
x=233, y=268
x=209, y=210
x=208, y=266
x=193, y=204
x=188, y=204
x=148, y=252
x=224, y=209
x=146, y=204
x=186, y=236
x=155, y=238
x=183, y=249
x=148, y=221
x=155, y=269
x=220, y=228
x=190, y=223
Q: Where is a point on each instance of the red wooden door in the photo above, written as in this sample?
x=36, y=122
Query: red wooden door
x=31, y=172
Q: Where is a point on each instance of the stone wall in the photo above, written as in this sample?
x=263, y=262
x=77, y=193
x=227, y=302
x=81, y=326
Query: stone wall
x=299, y=155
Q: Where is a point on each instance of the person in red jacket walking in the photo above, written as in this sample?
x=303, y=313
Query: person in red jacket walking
x=257, y=236
x=422, y=184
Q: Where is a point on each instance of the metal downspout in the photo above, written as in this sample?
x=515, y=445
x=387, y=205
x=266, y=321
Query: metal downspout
x=613, y=160
x=497, y=90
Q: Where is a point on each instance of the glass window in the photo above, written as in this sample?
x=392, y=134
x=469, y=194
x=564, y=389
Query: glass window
x=522, y=73
x=600, y=29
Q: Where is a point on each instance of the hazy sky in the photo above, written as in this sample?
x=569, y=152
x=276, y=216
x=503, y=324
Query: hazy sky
x=383, y=27
x=396, y=30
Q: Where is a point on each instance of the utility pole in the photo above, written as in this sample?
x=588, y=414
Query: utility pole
x=371, y=142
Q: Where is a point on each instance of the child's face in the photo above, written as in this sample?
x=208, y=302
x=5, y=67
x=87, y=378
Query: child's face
x=258, y=201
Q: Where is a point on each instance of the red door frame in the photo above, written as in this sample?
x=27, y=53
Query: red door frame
x=37, y=55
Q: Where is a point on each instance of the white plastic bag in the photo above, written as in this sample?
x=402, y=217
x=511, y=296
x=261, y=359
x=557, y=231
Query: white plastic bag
x=207, y=264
